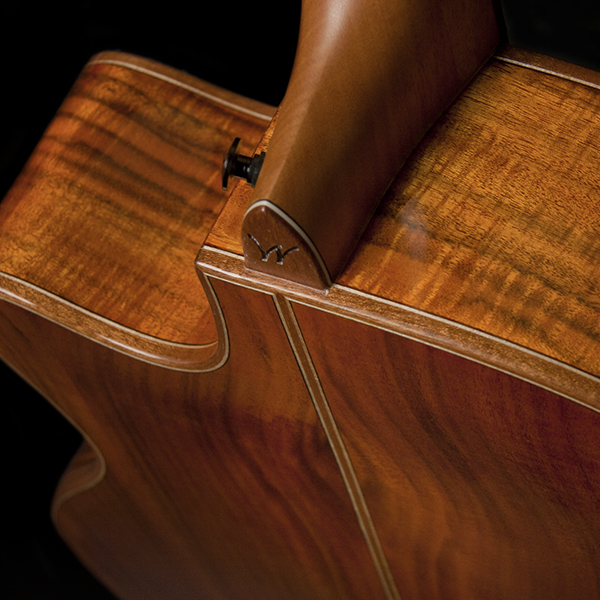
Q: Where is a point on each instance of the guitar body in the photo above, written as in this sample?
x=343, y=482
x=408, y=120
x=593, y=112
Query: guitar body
x=426, y=429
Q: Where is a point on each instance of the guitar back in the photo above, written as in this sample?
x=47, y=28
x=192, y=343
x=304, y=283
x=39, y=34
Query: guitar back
x=426, y=429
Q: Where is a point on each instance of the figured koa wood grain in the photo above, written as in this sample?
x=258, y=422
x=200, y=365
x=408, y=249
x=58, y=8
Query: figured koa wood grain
x=479, y=485
x=494, y=220
x=122, y=190
x=368, y=80
x=216, y=486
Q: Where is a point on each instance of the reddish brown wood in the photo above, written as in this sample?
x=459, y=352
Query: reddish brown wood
x=219, y=485
x=281, y=248
x=370, y=78
x=418, y=325
x=493, y=222
x=480, y=485
x=121, y=192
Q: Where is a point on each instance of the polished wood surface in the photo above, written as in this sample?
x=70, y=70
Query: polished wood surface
x=121, y=192
x=494, y=220
x=480, y=485
x=426, y=429
x=370, y=77
x=218, y=485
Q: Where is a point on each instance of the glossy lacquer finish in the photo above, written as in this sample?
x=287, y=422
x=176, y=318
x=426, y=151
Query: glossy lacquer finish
x=494, y=220
x=121, y=192
x=426, y=429
x=478, y=482
x=241, y=513
x=218, y=485
x=480, y=485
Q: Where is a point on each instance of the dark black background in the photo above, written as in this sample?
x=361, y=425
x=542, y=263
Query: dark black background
x=246, y=47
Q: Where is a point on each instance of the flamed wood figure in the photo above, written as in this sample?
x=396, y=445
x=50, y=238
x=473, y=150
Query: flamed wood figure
x=382, y=378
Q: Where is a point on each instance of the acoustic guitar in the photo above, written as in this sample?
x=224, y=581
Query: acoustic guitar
x=382, y=378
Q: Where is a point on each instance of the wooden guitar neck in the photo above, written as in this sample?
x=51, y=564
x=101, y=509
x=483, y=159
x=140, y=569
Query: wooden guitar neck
x=369, y=79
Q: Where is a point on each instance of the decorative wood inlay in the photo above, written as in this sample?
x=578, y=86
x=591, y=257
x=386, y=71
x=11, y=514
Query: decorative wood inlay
x=437, y=454
x=549, y=65
x=415, y=324
x=492, y=223
x=327, y=419
x=278, y=230
x=180, y=357
x=278, y=249
x=183, y=80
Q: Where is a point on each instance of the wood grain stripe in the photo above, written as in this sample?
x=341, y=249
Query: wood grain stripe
x=492, y=222
x=110, y=210
x=323, y=409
